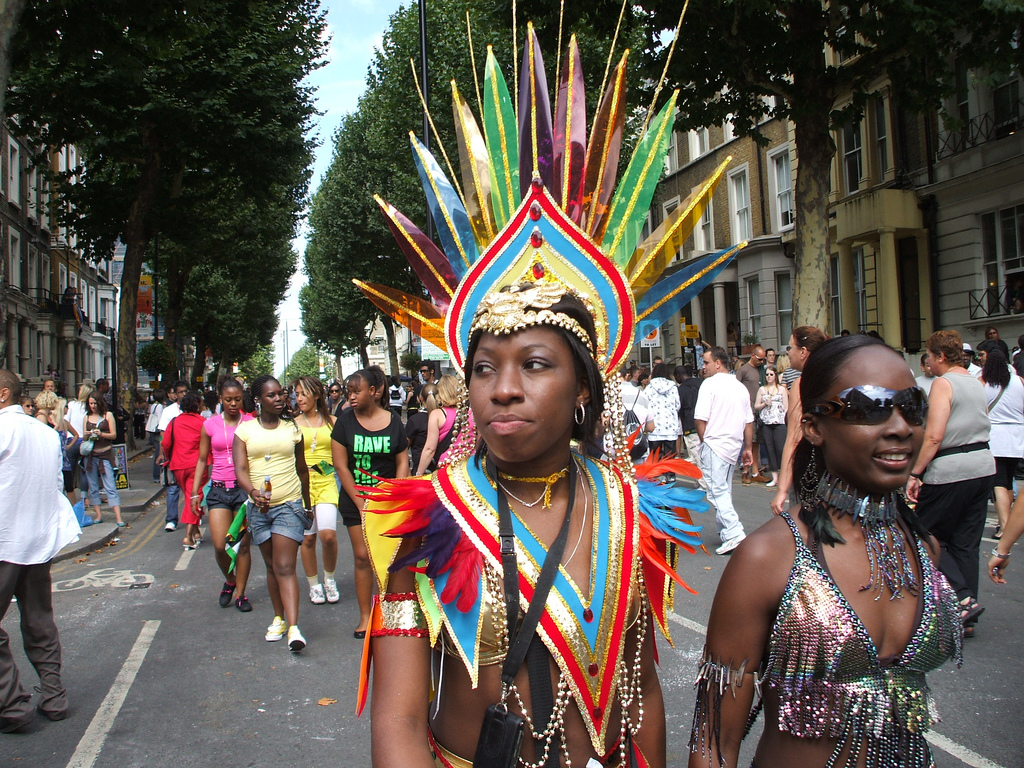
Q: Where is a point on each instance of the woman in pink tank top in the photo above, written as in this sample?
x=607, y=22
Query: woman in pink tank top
x=439, y=425
x=225, y=497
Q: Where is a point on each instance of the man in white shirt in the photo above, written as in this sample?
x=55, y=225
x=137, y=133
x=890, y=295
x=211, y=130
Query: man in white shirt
x=972, y=368
x=36, y=522
x=725, y=425
x=171, y=410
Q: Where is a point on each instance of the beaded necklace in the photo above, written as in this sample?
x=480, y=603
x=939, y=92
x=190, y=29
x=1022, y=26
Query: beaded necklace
x=884, y=539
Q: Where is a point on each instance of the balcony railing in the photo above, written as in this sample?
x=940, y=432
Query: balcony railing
x=45, y=300
x=979, y=130
x=990, y=302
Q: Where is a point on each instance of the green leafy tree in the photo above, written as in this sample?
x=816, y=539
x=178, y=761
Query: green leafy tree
x=732, y=55
x=305, y=362
x=160, y=98
x=261, y=362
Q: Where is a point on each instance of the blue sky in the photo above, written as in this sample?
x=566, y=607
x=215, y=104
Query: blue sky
x=356, y=28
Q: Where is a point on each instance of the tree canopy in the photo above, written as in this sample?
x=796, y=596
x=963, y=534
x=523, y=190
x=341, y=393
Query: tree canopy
x=164, y=102
x=305, y=362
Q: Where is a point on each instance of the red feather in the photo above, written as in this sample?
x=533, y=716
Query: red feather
x=654, y=466
x=464, y=568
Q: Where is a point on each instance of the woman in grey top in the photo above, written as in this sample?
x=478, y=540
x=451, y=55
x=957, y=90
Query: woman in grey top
x=953, y=474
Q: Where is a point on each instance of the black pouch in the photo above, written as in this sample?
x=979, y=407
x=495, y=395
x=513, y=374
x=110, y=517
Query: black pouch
x=500, y=738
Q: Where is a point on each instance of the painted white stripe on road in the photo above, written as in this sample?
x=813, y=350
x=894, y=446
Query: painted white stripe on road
x=184, y=560
x=89, y=747
x=961, y=753
x=700, y=629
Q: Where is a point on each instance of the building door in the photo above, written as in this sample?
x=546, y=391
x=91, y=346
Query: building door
x=909, y=293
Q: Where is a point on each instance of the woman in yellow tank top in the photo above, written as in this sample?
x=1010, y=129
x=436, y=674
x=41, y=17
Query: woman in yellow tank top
x=316, y=423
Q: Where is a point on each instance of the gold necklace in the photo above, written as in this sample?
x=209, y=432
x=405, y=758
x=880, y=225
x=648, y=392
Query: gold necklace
x=548, y=481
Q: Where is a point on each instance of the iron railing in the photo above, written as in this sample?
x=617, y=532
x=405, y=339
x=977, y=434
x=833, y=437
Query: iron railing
x=979, y=130
x=989, y=302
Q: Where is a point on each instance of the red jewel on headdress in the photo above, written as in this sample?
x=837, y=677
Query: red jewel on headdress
x=535, y=211
x=537, y=184
x=536, y=238
x=538, y=271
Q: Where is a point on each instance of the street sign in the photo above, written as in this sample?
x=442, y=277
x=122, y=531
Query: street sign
x=692, y=332
x=652, y=339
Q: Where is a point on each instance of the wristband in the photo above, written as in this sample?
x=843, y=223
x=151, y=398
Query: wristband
x=917, y=476
x=997, y=554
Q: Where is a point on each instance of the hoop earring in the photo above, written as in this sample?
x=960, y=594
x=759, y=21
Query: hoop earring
x=580, y=414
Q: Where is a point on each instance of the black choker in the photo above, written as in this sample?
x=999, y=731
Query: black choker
x=884, y=539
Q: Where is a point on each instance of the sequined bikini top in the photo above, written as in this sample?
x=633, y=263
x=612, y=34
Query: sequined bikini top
x=825, y=669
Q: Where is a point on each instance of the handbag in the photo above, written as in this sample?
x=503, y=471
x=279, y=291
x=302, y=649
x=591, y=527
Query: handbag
x=632, y=424
x=502, y=732
x=86, y=448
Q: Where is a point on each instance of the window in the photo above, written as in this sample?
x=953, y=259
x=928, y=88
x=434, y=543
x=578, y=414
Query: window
x=835, y=303
x=859, y=290
x=782, y=180
x=666, y=209
x=963, y=94
x=672, y=157
x=44, y=276
x=704, y=235
x=754, y=307
x=33, y=269
x=700, y=143
x=14, y=173
x=33, y=183
x=1006, y=105
x=784, y=304
x=739, y=205
x=63, y=271
x=881, y=138
x=1002, y=248
x=851, y=155
x=14, y=261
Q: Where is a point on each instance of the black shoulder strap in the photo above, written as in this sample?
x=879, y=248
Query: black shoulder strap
x=524, y=642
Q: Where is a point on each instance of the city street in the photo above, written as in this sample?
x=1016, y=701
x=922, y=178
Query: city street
x=159, y=676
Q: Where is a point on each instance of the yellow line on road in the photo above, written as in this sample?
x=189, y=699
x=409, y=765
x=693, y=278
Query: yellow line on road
x=152, y=528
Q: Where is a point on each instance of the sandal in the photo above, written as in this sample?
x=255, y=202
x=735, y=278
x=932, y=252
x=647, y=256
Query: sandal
x=970, y=611
x=969, y=631
x=999, y=532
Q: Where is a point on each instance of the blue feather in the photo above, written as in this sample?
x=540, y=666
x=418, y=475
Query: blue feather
x=657, y=503
x=440, y=535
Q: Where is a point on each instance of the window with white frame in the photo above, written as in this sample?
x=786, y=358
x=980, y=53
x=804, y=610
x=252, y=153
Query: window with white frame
x=32, y=199
x=700, y=143
x=33, y=269
x=881, y=137
x=754, y=307
x=1002, y=248
x=784, y=304
x=672, y=156
x=739, y=205
x=666, y=208
x=853, y=166
x=781, y=183
x=704, y=234
x=14, y=260
x=63, y=274
x=860, y=294
x=13, y=172
x=1006, y=104
x=835, y=303
x=962, y=91
x=44, y=273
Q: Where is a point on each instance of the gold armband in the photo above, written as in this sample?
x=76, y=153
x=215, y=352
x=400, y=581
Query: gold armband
x=400, y=616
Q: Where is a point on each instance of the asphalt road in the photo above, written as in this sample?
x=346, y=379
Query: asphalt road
x=160, y=676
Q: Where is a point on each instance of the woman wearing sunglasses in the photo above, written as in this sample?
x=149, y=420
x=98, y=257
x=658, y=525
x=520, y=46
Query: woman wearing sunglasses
x=804, y=616
x=953, y=476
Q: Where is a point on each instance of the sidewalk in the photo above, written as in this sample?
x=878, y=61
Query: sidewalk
x=141, y=493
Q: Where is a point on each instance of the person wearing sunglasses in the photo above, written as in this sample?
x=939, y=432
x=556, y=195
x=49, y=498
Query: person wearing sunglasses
x=805, y=618
x=334, y=398
x=953, y=475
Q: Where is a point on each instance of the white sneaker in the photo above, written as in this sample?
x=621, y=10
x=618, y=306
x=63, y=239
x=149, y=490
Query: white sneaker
x=296, y=642
x=331, y=591
x=276, y=630
x=316, y=595
x=171, y=526
x=730, y=545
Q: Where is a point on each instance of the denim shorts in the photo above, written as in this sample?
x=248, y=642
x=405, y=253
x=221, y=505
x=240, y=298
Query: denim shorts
x=283, y=519
x=225, y=498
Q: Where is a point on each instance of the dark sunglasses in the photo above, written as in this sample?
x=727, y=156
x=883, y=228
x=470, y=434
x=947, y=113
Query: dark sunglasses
x=335, y=391
x=874, y=405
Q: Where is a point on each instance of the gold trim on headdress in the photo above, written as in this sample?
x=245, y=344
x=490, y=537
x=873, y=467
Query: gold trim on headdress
x=516, y=307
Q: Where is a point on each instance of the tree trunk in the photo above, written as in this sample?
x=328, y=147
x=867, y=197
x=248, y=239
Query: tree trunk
x=389, y=331
x=364, y=355
x=10, y=15
x=177, y=280
x=199, y=364
x=337, y=367
x=814, y=148
x=136, y=238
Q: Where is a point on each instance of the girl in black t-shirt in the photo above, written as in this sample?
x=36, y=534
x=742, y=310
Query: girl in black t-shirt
x=368, y=442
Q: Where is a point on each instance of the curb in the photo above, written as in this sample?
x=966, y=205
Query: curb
x=82, y=545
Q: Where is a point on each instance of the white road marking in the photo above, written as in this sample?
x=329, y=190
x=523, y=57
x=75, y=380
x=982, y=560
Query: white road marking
x=89, y=747
x=961, y=753
x=700, y=629
x=184, y=560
